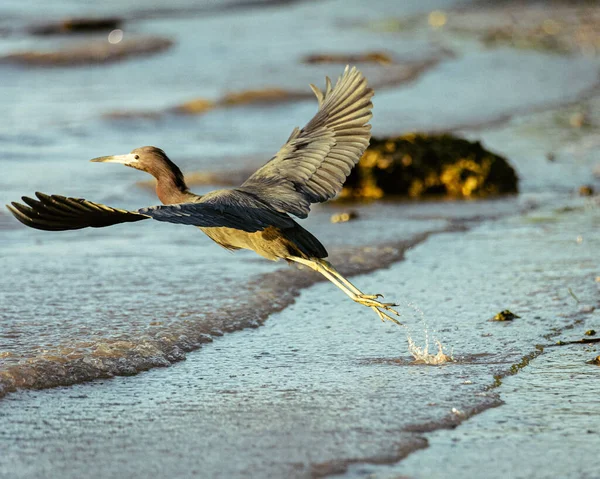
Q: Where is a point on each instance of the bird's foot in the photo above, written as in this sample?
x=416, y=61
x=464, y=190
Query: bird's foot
x=370, y=300
x=385, y=317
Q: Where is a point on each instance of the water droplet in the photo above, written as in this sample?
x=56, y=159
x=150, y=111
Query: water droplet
x=115, y=36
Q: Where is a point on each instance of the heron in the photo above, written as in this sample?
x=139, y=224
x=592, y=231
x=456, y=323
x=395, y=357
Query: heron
x=310, y=167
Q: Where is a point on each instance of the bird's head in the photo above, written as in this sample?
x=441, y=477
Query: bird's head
x=149, y=159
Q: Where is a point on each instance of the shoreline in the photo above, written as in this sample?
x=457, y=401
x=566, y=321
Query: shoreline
x=224, y=384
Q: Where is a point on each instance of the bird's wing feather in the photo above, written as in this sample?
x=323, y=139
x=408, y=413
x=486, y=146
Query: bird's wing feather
x=222, y=208
x=59, y=213
x=314, y=163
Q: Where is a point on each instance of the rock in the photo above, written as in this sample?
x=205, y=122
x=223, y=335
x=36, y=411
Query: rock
x=77, y=26
x=381, y=58
x=260, y=96
x=194, y=107
x=586, y=190
x=379, y=78
x=579, y=120
x=344, y=217
x=595, y=361
x=505, y=315
x=419, y=165
x=590, y=332
x=100, y=51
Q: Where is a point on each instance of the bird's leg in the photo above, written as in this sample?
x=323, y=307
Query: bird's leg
x=365, y=299
x=330, y=269
x=357, y=295
x=327, y=270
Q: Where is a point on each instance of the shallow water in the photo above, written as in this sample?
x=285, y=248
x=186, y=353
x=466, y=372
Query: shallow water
x=562, y=419
x=54, y=308
x=337, y=386
x=146, y=281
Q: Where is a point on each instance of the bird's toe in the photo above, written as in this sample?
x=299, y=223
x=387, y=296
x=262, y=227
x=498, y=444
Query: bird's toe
x=370, y=296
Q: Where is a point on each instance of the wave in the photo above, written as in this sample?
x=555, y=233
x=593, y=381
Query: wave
x=266, y=294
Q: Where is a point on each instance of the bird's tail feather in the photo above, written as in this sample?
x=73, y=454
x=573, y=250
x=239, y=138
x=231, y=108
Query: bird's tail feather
x=306, y=244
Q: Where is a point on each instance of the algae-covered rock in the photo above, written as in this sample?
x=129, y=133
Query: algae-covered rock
x=195, y=107
x=381, y=58
x=418, y=165
x=505, y=315
x=260, y=96
x=264, y=96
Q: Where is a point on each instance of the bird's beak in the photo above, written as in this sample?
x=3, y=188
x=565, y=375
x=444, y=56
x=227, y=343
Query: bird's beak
x=129, y=160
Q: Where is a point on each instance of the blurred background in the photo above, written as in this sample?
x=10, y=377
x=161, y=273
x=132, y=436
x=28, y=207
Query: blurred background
x=220, y=85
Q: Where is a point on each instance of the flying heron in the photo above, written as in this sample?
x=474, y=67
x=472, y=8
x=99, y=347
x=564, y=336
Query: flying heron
x=310, y=168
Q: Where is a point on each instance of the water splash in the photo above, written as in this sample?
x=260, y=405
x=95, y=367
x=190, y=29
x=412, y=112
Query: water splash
x=422, y=354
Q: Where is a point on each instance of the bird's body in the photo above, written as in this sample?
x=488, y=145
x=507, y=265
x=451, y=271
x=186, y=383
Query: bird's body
x=310, y=168
x=271, y=243
x=287, y=239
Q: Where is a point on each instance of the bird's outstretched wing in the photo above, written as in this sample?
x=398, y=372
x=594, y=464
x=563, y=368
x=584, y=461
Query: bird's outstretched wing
x=314, y=163
x=223, y=208
x=59, y=213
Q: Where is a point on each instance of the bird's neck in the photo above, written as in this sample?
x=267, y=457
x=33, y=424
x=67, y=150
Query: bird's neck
x=171, y=187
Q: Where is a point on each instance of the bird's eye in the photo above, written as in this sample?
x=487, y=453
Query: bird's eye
x=137, y=157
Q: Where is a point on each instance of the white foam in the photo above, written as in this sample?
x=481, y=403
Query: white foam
x=422, y=354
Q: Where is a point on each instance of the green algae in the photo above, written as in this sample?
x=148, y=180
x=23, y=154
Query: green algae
x=515, y=368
